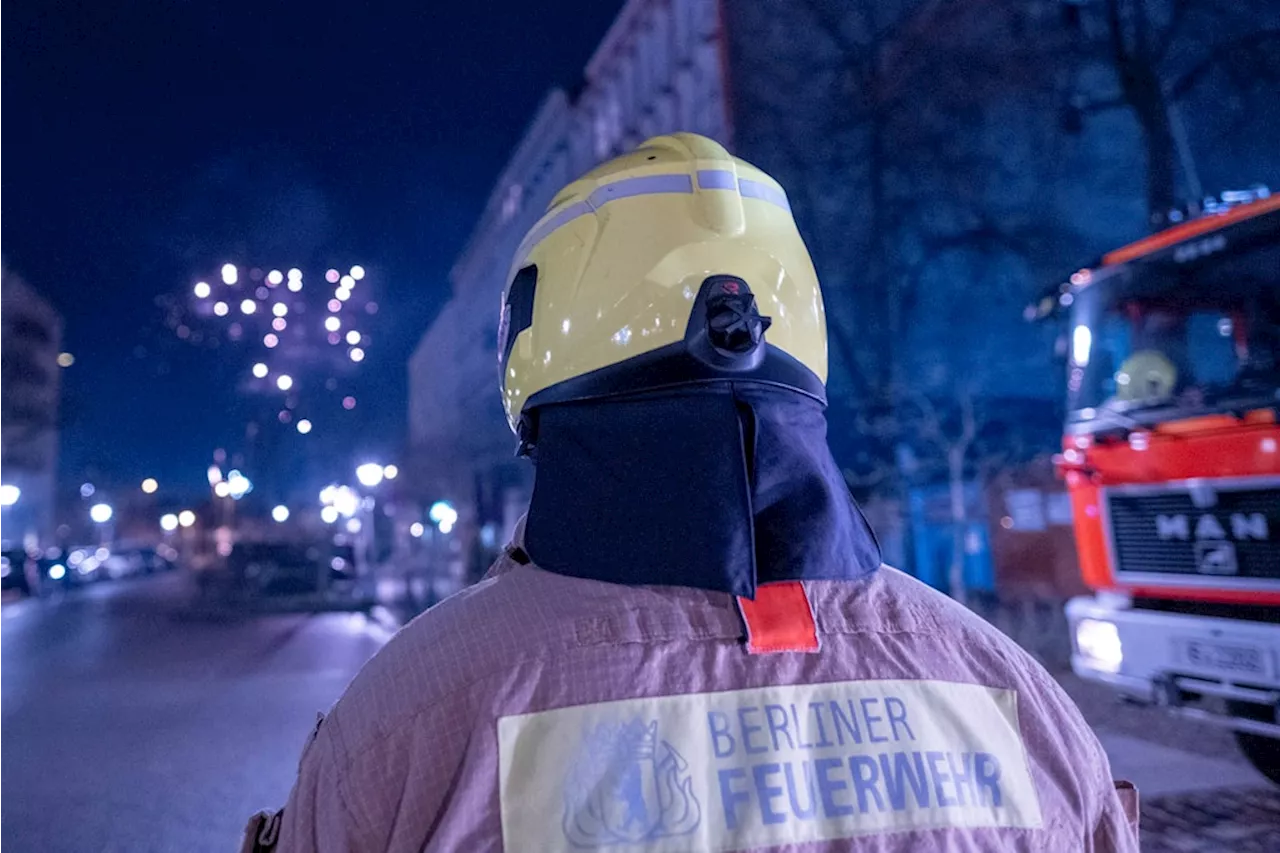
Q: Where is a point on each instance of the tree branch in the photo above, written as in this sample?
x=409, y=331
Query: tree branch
x=1221, y=53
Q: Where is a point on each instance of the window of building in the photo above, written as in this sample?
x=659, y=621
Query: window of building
x=511, y=201
x=31, y=331
x=607, y=126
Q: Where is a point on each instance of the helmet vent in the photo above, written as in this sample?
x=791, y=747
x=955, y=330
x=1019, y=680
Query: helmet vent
x=517, y=312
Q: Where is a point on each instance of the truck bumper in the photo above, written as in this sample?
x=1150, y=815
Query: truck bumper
x=1220, y=671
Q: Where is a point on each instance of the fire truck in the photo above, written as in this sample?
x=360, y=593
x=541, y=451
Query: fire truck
x=1171, y=456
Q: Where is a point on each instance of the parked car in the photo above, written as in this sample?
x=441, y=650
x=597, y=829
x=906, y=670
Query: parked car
x=16, y=569
x=80, y=565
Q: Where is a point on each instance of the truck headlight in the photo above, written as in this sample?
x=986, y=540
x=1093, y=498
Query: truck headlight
x=1100, y=642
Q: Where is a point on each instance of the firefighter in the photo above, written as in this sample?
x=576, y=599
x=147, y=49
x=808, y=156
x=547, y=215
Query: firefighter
x=691, y=642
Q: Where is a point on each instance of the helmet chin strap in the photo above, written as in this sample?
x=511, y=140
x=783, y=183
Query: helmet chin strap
x=720, y=487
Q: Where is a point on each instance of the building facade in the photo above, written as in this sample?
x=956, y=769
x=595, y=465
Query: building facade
x=30, y=391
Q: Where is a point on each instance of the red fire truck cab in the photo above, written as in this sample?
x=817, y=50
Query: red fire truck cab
x=1171, y=455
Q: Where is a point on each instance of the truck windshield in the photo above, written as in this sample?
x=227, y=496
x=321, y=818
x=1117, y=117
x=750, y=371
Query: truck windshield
x=1161, y=342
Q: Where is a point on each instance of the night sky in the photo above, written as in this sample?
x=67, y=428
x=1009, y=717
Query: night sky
x=146, y=143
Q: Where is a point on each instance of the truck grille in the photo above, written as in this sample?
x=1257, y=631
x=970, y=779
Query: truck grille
x=1203, y=532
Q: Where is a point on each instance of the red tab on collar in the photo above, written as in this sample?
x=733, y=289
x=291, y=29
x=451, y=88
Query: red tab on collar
x=780, y=619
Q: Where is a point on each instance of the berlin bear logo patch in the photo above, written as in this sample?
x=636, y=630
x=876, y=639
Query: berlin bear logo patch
x=625, y=786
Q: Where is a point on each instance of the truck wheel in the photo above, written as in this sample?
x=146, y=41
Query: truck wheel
x=1262, y=752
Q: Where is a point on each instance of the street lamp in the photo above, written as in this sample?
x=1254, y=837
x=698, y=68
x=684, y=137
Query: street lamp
x=370, y=474
x=444, y=515
x=238, y=485
x=9, y=494
x=346, y=501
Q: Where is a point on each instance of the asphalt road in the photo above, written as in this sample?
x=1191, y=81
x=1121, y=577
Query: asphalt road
x=131, y=725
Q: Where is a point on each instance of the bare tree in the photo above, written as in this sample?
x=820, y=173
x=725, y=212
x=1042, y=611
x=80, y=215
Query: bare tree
x=1159, y=53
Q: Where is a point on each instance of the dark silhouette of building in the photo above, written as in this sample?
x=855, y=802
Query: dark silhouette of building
x=30, y=389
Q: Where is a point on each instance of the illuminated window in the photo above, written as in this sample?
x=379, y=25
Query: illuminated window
x=511, y=201
x=607, y=126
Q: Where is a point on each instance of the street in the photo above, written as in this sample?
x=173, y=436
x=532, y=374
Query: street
x=133, y=724
x=129, y=726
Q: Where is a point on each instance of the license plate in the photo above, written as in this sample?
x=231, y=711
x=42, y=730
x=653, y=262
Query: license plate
x=1223, y=657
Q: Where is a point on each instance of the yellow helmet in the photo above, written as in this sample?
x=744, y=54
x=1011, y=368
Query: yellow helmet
x=1145, y=375
x=645, y=273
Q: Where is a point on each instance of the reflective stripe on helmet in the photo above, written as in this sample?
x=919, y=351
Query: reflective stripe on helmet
x=681, y=183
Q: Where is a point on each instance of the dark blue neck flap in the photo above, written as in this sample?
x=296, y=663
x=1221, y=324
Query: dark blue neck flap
x=721, y=487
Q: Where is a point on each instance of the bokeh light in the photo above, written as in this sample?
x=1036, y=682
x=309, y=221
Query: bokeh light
x=347, y=281
x=280, y=514
x=260, y=370
x=248, y=306
x=149, y=486
x=279, y=324
x=186, y=518
x=230, y=275
x=221, y=309
x=304, y=426
x=270, y=341
x=353, y=337
x=370, y=474
x=348, y=403
x=390, y=472
x=202, y=290
x=335, y=305
x=332, y=276
x=342, y=294
x=280, y=309
x=168, y=522
x=284, y=382
x=357, y=272
x=275, y=277
x=356, y=354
